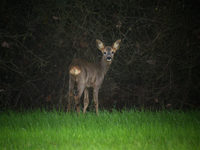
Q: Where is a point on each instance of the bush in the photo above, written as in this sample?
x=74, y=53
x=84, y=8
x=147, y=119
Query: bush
x=156, y=66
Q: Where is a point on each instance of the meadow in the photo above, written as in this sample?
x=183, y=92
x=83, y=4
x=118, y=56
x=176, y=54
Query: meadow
x=128, y=129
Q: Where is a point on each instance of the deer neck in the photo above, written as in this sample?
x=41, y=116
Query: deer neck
x=104, y=65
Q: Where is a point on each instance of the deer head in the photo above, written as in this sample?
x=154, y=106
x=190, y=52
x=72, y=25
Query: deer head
x=108, y=51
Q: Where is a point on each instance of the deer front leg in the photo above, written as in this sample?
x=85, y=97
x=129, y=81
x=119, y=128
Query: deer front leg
x=95, y=97
x=86, y=100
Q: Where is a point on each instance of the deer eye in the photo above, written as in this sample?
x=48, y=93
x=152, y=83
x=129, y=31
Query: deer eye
x=112, y=52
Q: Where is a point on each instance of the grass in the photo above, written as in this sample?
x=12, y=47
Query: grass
x=139, y=130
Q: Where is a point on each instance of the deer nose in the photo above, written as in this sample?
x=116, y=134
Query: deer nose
x=109, y=58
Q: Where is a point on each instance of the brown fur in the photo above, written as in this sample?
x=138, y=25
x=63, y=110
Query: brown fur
x=85, y=74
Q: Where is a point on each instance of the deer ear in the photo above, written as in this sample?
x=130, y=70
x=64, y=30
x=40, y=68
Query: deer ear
x=100, y=45
x=116, y=45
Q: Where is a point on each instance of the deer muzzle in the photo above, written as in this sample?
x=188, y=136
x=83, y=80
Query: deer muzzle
x=109, y=58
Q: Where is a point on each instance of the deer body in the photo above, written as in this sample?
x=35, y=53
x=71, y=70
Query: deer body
x=83, y=75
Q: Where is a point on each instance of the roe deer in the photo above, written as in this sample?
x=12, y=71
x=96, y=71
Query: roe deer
x=83, y=74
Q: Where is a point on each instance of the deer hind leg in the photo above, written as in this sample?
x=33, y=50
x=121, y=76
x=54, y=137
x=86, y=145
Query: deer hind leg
x=86, y=100
x=80, y=88
x=95, y=97
x=69, y=101
x=70, y=94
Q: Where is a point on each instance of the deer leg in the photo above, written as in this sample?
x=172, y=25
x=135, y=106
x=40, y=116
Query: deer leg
x=70, y=94
x=95, y=97
x=86, y=100
x=69, y=101
x=78, y=96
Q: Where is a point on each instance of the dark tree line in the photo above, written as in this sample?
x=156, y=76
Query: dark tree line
x=156, y=67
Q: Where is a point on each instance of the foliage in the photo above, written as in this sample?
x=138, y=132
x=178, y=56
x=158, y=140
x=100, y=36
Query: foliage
x=156, y=66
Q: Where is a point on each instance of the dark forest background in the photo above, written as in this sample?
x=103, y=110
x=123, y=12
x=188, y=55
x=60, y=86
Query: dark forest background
x=156, y=67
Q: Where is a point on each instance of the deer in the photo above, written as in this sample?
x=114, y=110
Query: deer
x=83, y=75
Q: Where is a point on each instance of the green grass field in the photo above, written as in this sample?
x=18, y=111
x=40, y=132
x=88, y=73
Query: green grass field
x=134, y=130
